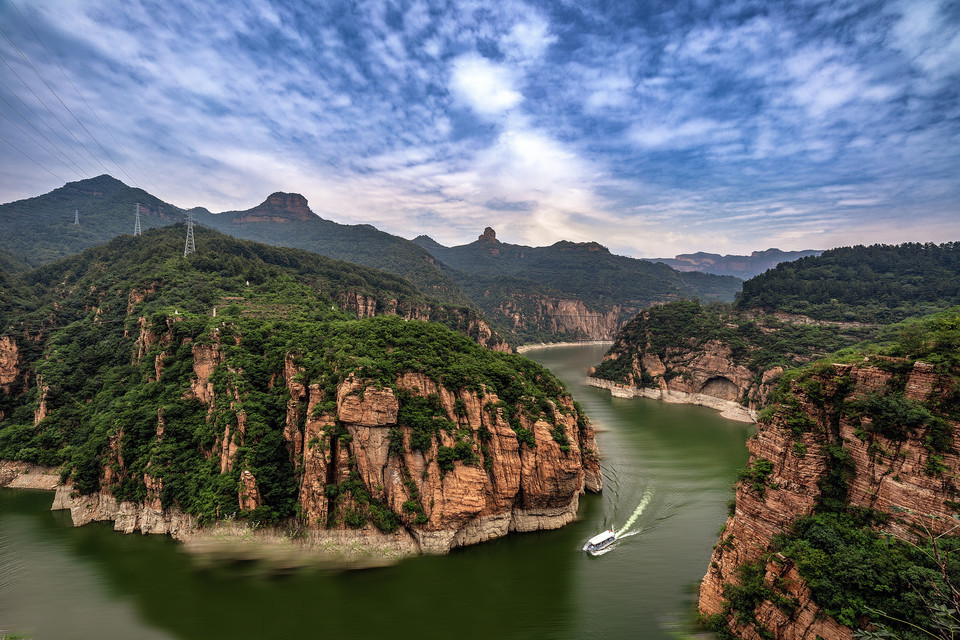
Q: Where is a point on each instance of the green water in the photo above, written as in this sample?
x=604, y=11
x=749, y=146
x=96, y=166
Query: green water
x=58, y=582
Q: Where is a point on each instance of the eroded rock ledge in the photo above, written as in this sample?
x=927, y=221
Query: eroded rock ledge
x=728, y=408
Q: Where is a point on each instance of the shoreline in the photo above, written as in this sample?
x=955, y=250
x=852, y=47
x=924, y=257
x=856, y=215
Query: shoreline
x=279, y=547
x=550, y=345
x=728, y=409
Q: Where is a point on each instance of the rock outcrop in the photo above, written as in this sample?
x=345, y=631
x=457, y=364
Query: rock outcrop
x=890, y=476
x=278, y=207
x=706, y=375
x=483, y=471
x=561, y=317
x=9, y=363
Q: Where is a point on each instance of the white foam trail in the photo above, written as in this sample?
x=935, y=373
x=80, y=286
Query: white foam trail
x=636, y=514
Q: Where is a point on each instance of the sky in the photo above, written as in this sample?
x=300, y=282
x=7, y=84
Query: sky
x=654, y=128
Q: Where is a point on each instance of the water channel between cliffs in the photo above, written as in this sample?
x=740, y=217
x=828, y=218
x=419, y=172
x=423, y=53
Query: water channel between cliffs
x=90, y=582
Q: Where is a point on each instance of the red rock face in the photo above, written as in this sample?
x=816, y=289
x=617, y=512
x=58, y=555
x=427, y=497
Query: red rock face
x=890, y=476
x=336, y=442
x=9, y=363
x=278, y=207
x=511, y=487
x=558, y=315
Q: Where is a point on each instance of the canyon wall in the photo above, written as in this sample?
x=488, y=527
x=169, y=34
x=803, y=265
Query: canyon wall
x=707, y=375
x=890, y=476
x=364, y=474
x=562, y=318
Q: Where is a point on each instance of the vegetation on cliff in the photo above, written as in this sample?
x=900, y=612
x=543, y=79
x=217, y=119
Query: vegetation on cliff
x=878, y=549
x=676, y=333
x=170, y=380
x=877, y=284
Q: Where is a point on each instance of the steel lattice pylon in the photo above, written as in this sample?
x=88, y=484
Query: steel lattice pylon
x=190, y=247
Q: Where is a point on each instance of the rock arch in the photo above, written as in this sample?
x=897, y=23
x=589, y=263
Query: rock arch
x=721, y=387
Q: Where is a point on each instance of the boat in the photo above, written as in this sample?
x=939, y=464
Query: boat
x=600, y=543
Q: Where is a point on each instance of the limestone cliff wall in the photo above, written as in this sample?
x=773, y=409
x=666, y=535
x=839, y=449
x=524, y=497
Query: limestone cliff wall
x=356, y=436
x=889, y=476
x=562, y=317
x=707, y=376
x=464, y=320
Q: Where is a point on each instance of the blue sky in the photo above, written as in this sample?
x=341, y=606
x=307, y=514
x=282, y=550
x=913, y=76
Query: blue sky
x=654, y=128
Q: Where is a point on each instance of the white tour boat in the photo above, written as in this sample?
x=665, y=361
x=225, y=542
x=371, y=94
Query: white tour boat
x=600, y=543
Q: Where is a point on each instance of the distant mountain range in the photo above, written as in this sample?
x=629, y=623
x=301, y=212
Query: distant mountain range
x=561, y=292
x=575, y=290
x=744, y=267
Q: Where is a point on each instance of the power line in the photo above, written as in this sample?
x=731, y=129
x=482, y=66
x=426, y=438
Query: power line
x=40, y=100
x=31, y=159
x=80, y=95
x=83, y=172
x=49, y=110
x=53, y=155
x=70, y=111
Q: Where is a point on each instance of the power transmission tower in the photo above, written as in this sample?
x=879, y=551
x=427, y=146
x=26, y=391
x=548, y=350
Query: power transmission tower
x=136, y=225
x=190, y=247
x=76, y=216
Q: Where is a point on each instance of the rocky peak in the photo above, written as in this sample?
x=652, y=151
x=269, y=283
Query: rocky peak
x=278, y=207
x=488, y=235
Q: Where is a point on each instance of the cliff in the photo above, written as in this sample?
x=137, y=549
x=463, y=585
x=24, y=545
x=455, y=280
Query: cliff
x=714, y=356
x=366, y=467
x=558, y=318
x=569, y=290
x=874, y=443
x=265, y=404
x=278, y=208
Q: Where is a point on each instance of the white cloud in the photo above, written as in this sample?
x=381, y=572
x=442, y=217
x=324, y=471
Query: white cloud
x=528, y=40
x=696, y=132
x=484, y=86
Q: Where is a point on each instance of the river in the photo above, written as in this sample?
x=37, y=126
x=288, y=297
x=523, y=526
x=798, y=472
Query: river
x=60, y=582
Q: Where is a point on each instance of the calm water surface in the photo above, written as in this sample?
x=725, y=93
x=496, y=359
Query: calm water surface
x=58, y=582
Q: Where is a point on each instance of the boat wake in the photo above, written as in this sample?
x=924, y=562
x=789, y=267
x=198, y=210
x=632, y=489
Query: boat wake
x=636, y=514
x=604, y=542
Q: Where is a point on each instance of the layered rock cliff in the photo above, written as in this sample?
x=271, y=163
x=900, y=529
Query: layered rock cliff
x=558, y=318
x=284, y=390
x=362, y=465
x=713, y=356
x=409, y=463
x=877, y=439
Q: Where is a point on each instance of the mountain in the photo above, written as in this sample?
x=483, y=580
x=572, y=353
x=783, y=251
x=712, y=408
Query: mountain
x=744, y=267
x=284, y=219
x=573, y=290
x=244, y=383
x=566, y=291
x=42, y=229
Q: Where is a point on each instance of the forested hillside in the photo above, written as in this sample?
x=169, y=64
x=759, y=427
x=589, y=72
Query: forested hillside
x=879, y=283
x=845, y=517
x=41, y=229
x=234, y=381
